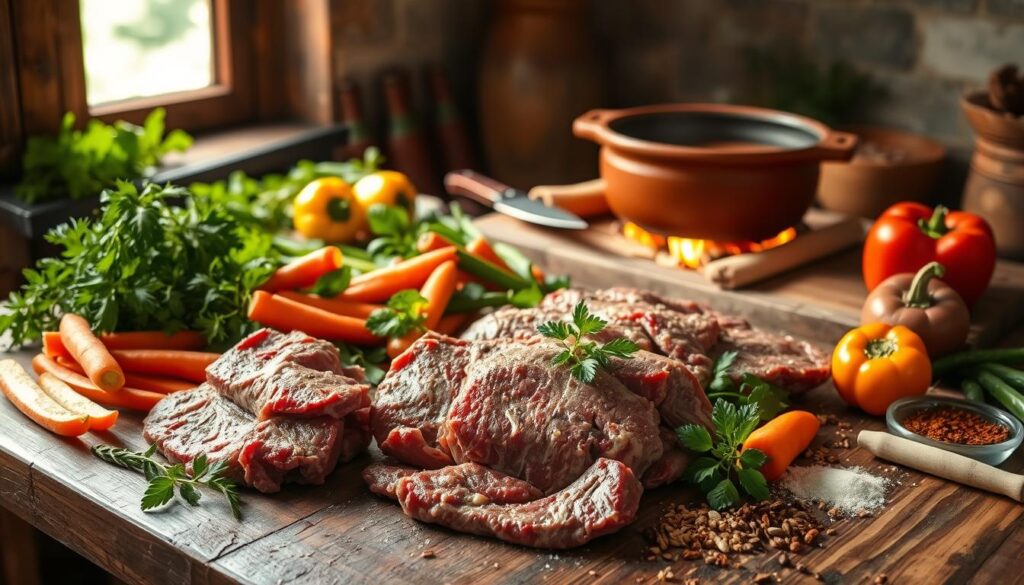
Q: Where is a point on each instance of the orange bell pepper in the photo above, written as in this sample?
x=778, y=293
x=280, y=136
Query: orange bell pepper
x=877, y=364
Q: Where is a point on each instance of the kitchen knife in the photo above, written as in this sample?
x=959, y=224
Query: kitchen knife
x=508, y=201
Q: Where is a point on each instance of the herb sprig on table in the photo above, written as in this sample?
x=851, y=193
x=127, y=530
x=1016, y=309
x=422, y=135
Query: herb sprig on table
x=165, y=479
x=81, y=163
x=769, y=399
x=585, y=357
x=714, y=472
x=404, y=312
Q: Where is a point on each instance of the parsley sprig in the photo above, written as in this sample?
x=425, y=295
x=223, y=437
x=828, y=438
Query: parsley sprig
x=165, y=479
x=769, y=399
x=714, y=473
x=585, y=356
x=404, y=312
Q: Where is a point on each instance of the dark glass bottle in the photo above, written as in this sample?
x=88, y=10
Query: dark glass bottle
x=350, y=107
x=456, y=151
x=407, y=146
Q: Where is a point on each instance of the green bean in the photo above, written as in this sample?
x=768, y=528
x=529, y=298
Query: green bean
x=464, y=304
x=1003, y=393
x=1009, y=375
x=1014, y=355
x=972, y=391
x=491, y=273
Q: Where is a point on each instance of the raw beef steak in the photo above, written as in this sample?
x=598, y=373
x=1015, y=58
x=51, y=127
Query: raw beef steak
x=472, y=498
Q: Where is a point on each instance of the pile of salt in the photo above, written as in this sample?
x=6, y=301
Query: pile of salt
x=849, y=490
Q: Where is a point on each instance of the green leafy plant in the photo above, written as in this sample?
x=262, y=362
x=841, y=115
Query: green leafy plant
x=395, y=232
x=473, y=297
x=165, y=480
x=769, y=399
x=81, y=163
x=403, y=313
x=585, y=357
x=154, y=259
x=723, y=463
x=373, y=360
x=333, y=283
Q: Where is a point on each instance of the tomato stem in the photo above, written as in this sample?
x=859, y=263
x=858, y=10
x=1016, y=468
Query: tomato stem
x=880, y=348
x=935, y=226
x=917, y=296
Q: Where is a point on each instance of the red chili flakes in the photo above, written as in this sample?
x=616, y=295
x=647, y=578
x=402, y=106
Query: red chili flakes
x=955, y=425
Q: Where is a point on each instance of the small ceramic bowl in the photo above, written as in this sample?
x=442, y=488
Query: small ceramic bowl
x=993, y=454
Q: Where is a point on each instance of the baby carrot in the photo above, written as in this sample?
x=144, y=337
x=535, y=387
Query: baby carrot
x=281, y=313
x=782, y=439
x=379, y=285
x=90, y=353
x=333, y=305
x=304, y=271
x=482, y=249
x=187, y=365
x=451, y=324
x=131, y=398
x=438, y=291
x=140, y=381
x=430, y=241
x=23, y=392
x=100, y=419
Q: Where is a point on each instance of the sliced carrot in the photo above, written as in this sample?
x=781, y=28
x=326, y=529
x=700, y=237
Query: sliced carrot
x=186, y=365
x=53, y=346
x=130, y=398
x=438, y=291
x=451, y=324
x=378, y=286
x=332, y=305
x=430, y=241
x=23, y=392
x=90, y=353
x=100, y=419
x=304, y=271
x=281, y=313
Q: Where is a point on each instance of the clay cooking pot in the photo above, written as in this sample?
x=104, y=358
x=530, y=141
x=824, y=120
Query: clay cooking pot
x=711, y=171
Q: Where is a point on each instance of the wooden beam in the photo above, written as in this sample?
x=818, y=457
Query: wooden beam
x=11, y=135
x=309, y=56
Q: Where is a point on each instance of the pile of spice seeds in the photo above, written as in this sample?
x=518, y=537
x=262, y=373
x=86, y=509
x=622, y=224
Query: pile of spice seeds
x=955, y=425
x=686, y=533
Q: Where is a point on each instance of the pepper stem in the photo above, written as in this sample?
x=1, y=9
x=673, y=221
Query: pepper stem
x=338, y=209
x=935, y=226
x=917, y=295
x=880, y=348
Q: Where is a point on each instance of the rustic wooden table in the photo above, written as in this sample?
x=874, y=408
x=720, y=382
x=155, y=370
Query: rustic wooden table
x=930, y=531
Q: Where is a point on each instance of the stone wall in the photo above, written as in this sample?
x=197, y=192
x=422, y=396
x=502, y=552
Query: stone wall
x=924, y=53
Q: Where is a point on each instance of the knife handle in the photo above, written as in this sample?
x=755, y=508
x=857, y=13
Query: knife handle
x=473, y=185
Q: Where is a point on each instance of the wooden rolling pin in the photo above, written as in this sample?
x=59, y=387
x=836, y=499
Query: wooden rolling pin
x=942, y=463
x=584, y=199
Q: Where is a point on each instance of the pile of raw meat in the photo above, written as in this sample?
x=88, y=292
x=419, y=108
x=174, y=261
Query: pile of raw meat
x=276, y=407
x=486, y=436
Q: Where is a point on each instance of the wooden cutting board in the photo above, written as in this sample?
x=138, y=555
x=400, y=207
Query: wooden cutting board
x=818, y=301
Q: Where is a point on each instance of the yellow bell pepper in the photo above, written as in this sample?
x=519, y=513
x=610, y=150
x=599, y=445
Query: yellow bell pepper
x=327, y=210
x=876, y=364
x=388, y=187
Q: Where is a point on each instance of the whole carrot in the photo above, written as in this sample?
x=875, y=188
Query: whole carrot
x=438, y=291
x=159, y=384
x=782, y=439
x=90, y=353
x=187, y=340
x=281, y=313
x=304, y=271
x=333, y=305
x=130, y=398
x=186, y=365
x=379, y=285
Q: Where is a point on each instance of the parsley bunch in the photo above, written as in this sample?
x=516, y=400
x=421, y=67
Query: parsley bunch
x=714, y=472
x=769, y=399
x=153, y=259
x=165, y=479
x=81, y=163
x=585, y=356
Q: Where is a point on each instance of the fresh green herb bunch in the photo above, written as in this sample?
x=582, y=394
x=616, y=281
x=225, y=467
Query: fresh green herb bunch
x=146, y=263
x=164, y=479
x=81, y=163
x=714, y=472
x=769, y=399
x=585, y=356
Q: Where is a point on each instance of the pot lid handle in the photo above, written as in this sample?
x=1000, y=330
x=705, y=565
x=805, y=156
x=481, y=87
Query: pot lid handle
x=590, y=124
x=838, y=145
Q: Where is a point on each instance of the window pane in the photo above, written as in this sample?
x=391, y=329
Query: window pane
x=145, y=47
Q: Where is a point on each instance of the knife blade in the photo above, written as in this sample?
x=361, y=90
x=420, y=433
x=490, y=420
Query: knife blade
x=509, y=201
